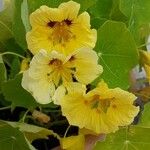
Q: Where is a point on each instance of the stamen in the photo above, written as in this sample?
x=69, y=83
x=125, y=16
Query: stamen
x=72, y=58
x=61, y=31
x=68, y=22
x=51, y=24
x=55, y=62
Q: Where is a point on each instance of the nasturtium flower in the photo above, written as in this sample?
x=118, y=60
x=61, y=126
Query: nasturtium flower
x=61, y=29
x=101, y=110
x=145, y=62
x=47, y=71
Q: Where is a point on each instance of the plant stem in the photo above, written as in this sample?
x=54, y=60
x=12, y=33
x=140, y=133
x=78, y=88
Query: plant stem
x=4, y=108
x=145, y=44
x=24, y=116
x=67, y=131
x=12, y=53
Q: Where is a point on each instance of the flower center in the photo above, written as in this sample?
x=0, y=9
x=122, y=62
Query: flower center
x=98, y=103
x=61, y=31
x=56, y=62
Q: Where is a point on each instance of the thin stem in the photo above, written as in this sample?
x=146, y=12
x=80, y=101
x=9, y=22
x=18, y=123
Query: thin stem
x=4, y=108
x=24, y=116
x=145, y=44
x=67, y=131
x=138, y=94
x=12, y=53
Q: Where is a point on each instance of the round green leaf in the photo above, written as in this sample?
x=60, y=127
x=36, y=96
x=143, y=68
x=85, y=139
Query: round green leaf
x=117, y=52
x=134, y=138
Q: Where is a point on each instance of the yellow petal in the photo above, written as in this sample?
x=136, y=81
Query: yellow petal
x=147, y=70
x=73, y=143
x=43, y=15
x=39, y=65
x=59, y=94
x=75, y=87
x=38, y=39
x=41, y=95
x=69, y=9
x=145, y=57
x=84, y=19
x=121, y=110
x=84, y=36
x=87, y=68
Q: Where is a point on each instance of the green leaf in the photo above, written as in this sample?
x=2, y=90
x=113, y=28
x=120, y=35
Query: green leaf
x=12, y=46
x=138, y=13
x=139, y=9
x=12, y=139
x=104, y=10
x=6, y=22
x=33, y=132
x=118, y=53
x=13, y=91
x=25, y=15
x=18, y=27
x=35, y=4
x=15, y=67
x=2, y=72
x=134, y=138
x=145, y=118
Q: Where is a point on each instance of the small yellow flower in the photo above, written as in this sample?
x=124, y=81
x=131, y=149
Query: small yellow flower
x=101, y=110
x=145, y=62
x=60, y=29
x=24, y=64
x=48, y=71
x=73, y=143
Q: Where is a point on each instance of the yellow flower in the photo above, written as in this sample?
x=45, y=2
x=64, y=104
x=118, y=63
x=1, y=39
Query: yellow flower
x=73, y=143
x=145, y=62
x=147, y=70
x=24, y=64
x=101, y=110
x=60, y=29
x=48, y=71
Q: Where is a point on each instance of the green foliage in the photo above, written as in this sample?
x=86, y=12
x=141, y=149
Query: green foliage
x=14, y=92
x=15, y=67
x=105, y=10
x=12, y=139
x=134, y=138
x=145, y=118
x=5, y=23
x=18, y=27
x=32, y=132
x=138, y=13
x=117, y=52
x=137, y=9
x=25, y=15
x=35, y=4
x=2, y=72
